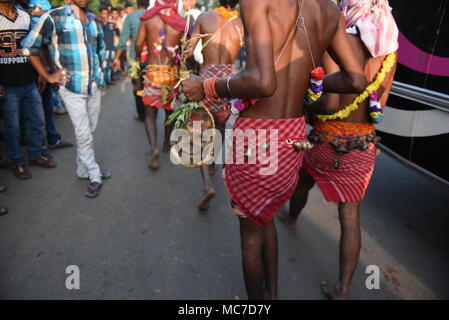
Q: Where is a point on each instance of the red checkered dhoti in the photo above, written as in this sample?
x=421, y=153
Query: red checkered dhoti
x=157, y=79
x=220, y=108
x=258, y=195
x=349, y=182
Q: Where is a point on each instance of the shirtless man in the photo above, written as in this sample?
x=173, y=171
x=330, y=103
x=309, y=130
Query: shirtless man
x=343, y=170
x=226, y=31
x=161, y=28
x=279, y=61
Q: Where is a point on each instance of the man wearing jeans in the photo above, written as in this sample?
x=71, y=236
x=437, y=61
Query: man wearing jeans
x=76, y=45
x=18, y=89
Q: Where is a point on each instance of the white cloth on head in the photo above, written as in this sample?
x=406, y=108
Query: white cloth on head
x=375, y=24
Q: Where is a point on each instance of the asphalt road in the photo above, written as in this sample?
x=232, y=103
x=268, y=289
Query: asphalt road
x=143, y=238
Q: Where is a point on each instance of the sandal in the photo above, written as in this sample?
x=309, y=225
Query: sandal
x=21, y=172
x=93, y=190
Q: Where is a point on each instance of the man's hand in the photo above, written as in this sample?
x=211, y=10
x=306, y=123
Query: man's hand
x=59, y=77
x=116, y=64
x=193, y=88
x=2, y=92
x=41, y=83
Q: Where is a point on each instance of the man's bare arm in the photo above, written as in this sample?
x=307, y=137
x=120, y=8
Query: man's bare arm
x=141, y=38
x=258, y=79
x=350, y=78
x=57, y=77
x=196, y=32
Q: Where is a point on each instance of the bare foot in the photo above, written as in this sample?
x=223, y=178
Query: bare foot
x=154, y=160
x=204, y=204
x=284, y=216
x=332, y=292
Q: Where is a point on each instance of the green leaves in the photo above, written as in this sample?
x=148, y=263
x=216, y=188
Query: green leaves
x=135, y=68
x=181, y=114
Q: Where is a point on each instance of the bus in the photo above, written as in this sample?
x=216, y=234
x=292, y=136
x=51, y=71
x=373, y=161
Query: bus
x=416, y=126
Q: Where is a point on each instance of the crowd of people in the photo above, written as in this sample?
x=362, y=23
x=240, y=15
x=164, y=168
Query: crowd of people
x=314, y=62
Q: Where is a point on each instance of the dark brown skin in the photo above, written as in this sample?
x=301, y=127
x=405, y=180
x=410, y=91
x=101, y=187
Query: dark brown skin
x=282, y=87
x=222, y=49
x=149, y=33
x=334, y=102
x=227, y=41
x=349, y=213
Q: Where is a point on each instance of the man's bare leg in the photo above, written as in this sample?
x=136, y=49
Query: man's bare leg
x=209, y=192
x=209, y=170
x=270, y=260
x=350, y=244
x=167, y=132
x=259, y=259
x=298, y=200
x=151, y=129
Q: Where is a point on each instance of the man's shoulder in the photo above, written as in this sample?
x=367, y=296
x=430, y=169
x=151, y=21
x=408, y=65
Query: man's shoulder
x=135, y=14
x=207, y=16
x=22, y=21
x=58, y=12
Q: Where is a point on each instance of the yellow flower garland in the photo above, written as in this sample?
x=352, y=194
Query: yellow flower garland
x=387, y=64
x=225, y=13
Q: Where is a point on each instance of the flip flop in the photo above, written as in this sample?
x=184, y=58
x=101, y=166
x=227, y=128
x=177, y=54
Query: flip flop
x=93, y=191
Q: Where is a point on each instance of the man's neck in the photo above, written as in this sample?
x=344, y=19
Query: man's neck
x=7, y=9
x=80, y=12
x=141, y=8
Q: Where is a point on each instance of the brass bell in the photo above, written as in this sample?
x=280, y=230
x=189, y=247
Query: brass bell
x=364, y=147
x=334, y=143
x=299, y=145
x=352, y=145
x=342, y=149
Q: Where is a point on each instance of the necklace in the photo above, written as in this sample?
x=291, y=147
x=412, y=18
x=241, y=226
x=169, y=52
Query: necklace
x=225, y=13
x=370, y=91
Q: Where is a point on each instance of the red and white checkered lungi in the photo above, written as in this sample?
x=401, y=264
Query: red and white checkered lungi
x=155, y=78
x=258, y=195
x=349, y=182
x=220, y=108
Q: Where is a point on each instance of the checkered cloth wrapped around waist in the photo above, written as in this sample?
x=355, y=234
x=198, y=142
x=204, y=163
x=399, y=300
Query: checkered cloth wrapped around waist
x=348, y=182
x=258, y=191
x=220, y=108
x=157, y=79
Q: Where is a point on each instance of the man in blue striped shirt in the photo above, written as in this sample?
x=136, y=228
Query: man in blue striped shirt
x=129, y=32
x=76, y=45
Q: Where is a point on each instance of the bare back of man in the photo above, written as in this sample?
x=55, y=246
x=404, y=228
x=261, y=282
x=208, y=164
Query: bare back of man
x=280, y=56
x=371, y=66
x=162, y=40
x=325, y=30
x=348, y=140
x=153, y=28
x=227, y=38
